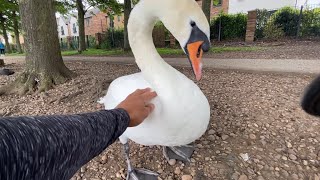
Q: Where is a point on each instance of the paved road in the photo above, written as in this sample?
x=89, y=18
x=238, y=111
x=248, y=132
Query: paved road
x=269, y=65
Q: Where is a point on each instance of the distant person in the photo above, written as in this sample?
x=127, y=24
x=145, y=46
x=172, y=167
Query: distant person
x=2, y=49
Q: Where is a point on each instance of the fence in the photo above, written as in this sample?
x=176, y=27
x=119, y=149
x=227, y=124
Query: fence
x=72, y=43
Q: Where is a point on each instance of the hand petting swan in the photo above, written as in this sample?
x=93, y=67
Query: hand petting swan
x=182, y=111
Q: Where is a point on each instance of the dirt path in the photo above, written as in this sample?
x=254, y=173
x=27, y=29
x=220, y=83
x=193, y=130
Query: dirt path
x=261, y=65
x=257, y=129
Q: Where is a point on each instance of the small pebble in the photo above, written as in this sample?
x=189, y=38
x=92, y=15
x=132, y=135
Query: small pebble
x=177, y=171
x=305, y=162
x=292, y=157
x=186, y=177
x=224, y=137
x=252, y=136
x=260, y=178
x=172, y=162
x=211, y=131
x=294, y=177
x=243, y=177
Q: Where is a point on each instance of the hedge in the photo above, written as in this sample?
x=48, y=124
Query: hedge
x=233, y=26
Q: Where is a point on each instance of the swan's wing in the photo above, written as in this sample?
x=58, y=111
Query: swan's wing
x=121, y=87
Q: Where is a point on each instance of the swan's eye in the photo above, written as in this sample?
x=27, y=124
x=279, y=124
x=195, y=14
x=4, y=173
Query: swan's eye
x=192, y=23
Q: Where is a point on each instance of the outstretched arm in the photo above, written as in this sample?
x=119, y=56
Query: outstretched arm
x=55, y=147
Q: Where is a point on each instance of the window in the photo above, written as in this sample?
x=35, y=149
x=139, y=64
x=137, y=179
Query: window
x=119, y=18
x=62, y=30
x=88, y=21
x=74, y=27
x=216, y=2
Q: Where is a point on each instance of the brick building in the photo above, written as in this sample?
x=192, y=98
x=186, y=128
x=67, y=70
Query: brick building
x=95, y=21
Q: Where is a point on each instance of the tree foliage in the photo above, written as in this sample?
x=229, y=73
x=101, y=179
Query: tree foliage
x=110, y=7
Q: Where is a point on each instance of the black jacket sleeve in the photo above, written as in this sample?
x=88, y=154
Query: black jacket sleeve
x=55, y=147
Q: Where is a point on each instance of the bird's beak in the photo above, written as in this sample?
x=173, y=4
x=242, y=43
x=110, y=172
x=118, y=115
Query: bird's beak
x=195, y=53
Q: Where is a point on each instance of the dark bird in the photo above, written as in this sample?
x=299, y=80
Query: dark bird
x=6, y=72
x=311, y=99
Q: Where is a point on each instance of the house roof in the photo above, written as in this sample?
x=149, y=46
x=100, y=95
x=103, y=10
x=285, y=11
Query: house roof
x=91, y=12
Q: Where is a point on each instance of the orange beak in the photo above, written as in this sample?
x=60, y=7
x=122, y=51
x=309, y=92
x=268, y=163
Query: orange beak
x=195, y=55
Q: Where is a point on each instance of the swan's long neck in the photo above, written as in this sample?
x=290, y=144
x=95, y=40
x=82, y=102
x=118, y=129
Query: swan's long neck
x=140, y=27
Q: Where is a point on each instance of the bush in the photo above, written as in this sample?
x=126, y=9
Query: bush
x=233, y=26
x=63, y=43
x=287, y=19
x=114, y=39
x=311, y=23
x=271, y=31
x=92, y=42
x=284, y=22
x=263, y=17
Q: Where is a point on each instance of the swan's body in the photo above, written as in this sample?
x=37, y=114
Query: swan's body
x=182, y=111
x=179, y=118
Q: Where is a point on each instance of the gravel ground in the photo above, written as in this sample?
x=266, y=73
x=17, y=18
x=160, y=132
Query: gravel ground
x=257, y=129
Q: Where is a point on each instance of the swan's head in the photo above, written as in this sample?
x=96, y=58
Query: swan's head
x=188, y=24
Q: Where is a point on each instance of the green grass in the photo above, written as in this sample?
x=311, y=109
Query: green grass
x=94, y=52
x=168, y=51
x=15, y=54
x=234, y=49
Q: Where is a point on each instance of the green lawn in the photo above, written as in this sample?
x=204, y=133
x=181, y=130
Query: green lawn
x=234, y=49
x=168, y=51
x=15, y=54
x=95, y=52
x=162, y=51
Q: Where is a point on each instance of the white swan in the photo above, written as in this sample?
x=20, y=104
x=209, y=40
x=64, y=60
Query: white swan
x=182, y=111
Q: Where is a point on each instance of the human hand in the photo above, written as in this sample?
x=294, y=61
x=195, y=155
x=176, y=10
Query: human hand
x=138, y=105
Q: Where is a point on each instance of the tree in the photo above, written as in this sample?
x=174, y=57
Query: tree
x=206, y=8
x=82, y=6
x=10, y=21
x=16, y=30
x=127, y=10
x=3, y=25
x=81, y=13
x=4, y=6
x=44, y=64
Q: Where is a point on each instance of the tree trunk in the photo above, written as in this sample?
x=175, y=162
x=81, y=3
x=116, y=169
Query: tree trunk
x=44, y=64
x=127, y=10
x=16, y=31
x=5, y=36
x=206, y=8
x=82, y=36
